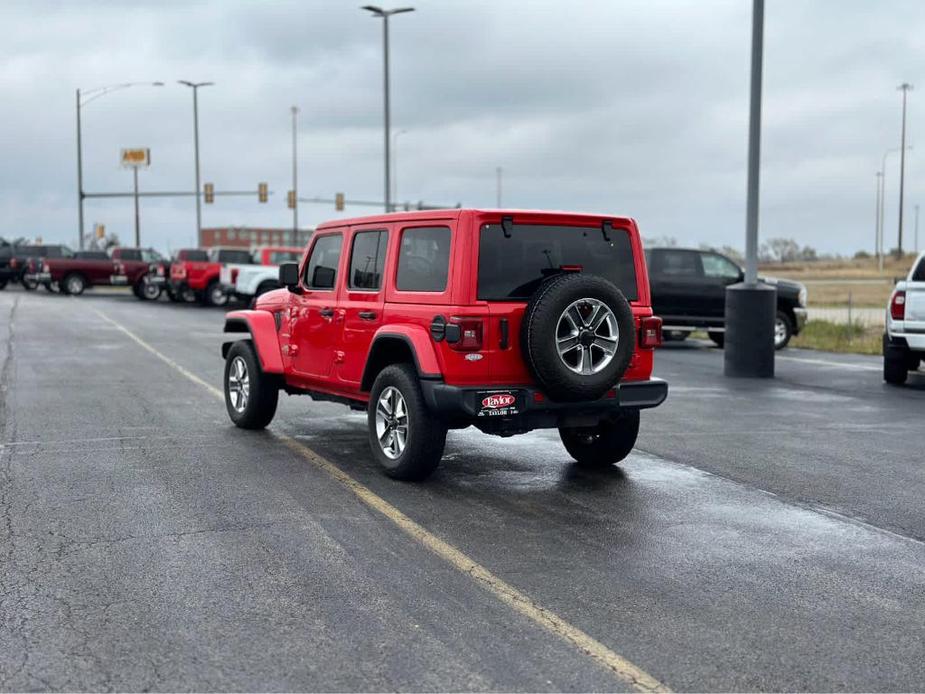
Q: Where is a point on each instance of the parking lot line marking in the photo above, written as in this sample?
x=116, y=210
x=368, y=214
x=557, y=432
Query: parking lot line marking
x=832, y=364
x=627, y=671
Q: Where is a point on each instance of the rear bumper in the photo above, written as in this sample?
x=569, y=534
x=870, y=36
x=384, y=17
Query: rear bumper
x=37, y=276
x=913, y=342
x=532, y=410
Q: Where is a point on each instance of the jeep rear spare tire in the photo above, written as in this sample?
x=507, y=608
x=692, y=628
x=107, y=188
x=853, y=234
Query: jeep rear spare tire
x=578, y=336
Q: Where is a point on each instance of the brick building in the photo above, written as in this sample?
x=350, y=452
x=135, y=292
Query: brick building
x=250, y=237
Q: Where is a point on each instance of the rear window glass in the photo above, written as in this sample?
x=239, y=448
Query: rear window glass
x=279, y=257
x=511, y=269
x=919, y=274
x=424, y=259
x=242, y=257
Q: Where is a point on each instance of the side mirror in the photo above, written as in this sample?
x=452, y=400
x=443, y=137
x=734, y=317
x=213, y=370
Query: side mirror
x=289, y=276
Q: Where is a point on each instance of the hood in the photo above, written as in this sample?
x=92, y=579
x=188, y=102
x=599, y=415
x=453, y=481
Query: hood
x=785, y=287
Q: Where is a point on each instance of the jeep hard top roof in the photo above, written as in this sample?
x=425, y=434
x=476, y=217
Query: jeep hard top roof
x=547, y=216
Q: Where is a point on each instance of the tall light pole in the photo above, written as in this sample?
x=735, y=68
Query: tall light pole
x=904, y=88
x=395, y=167
x=883, y=197
x=195, y=87
x=295, y=177
x=916, y=229
x=84, y=98
x=751, y=306
x=385, y=14
x=498, y=189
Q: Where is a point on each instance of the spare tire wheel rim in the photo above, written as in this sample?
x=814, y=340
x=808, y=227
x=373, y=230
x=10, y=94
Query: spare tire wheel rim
x=587, y=336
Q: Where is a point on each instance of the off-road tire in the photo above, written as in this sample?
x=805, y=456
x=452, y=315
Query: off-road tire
x=719, y=339
x=426, y=434
x=788, y=325
x=142, y=286
x=607, y=443
x=675, y=335
x=895, y=363
x=28, y=285
x=214, y=296
x=73, y=284
x=263, y=389
x=539, y=329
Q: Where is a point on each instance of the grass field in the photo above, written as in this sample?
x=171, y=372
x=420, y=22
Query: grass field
x=834, y=283
x=835, y=337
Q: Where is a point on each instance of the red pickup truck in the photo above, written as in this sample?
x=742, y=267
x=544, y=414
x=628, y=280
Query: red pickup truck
x=142, y=269
x=195, y=274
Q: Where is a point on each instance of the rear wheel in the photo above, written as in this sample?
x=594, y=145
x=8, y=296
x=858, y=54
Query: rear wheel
x=406, y=439
x=147, y=291
x=251, y=396
x=719, y=339
x=28, y=284
x=605, y=444
x=74, y=284
x=676, y=335
x=895, y=363
x=215, y=295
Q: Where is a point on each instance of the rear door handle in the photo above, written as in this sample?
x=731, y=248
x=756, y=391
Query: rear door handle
x=327, y=312
x=367, y=315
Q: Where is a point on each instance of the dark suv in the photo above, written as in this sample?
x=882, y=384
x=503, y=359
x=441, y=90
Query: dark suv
x=689, y=293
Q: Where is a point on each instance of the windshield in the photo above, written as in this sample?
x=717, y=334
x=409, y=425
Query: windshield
x=511, y=269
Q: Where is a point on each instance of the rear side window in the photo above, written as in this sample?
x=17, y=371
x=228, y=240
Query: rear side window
x=367, y=259
x=424, y=259
x=511, y=269
x=321, y=268
x=91, y=255
x=681, y=264
x=919, y=274
x=194, y=256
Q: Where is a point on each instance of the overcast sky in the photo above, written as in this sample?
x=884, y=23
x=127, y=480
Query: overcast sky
x=634, y=108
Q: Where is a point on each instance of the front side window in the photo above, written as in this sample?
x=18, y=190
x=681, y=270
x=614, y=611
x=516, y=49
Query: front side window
x=512, y=266
x=149, y=255
x=321, y=268
x=719, y=267
x=679, y=264
x=129, y=254
x=367, y=260
x=423, y=259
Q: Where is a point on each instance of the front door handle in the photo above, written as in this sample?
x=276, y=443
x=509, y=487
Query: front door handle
x=327, y=312
x=367, y=315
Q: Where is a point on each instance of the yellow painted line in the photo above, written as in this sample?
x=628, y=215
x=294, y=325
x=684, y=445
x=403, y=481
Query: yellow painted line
x=638, y=678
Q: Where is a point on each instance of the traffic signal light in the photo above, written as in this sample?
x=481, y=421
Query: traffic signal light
x=262, y=193
x=339, y=202
x=290, y=199
x=209, y=192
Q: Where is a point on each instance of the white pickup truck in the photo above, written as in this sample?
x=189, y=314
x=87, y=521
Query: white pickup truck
x=244, y=282
x=904, y=340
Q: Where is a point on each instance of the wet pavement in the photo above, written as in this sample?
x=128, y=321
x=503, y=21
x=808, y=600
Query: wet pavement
x=766, y=535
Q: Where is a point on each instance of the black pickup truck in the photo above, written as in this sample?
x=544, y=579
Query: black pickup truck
x=689, y=293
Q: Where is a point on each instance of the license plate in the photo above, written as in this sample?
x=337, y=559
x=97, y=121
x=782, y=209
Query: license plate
x=118, y=279
x=497, y=403
x=156, y=279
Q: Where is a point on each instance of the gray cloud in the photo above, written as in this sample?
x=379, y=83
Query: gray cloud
x=636, y=108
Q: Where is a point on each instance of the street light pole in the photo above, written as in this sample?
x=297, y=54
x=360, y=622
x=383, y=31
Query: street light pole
x=295, y=178
x=883, y=198
x=384, y=15
x=395, y=167
x=84, y=98
x=904, y=88
x=877, y=219
x=751, y=306
x=137, y=215
x=498, y=191
x=916, y=229
x=195, y=87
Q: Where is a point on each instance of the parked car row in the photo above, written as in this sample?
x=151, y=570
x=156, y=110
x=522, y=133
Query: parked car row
x=208, y=276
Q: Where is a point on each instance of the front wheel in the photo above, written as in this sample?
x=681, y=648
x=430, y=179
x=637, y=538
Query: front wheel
x=251, y=396
x=74, y=284
x=29, y=284
x=783, y=330
x=406, y=439
x=605, y=444
x=147, y=291
x=719, y=339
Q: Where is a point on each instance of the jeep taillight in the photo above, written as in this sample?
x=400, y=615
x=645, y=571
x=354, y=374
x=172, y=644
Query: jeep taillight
x=464, y=334
x=650, y=332
x=898, y=306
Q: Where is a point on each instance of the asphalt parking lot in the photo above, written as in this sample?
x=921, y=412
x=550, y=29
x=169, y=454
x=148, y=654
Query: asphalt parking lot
x=764, y=535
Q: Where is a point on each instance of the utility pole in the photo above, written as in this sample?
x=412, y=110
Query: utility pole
x=137, y=215
x=384, y=15
x=295, y=178
x=498, y=172
x=877, y=220
x=195, y=87
x=904, y=88
x=916, y=229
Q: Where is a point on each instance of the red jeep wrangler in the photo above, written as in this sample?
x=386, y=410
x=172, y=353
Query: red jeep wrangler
x=505, y=320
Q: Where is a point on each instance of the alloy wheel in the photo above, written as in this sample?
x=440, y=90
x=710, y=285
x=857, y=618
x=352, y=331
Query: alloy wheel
x=587, y=336
x=239, y=385
x=392, y=422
